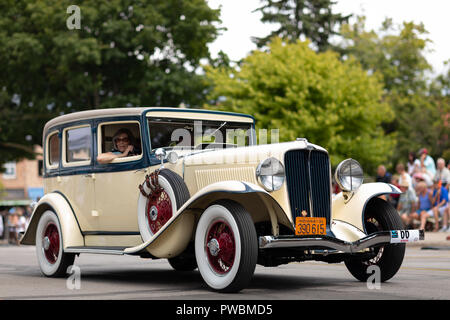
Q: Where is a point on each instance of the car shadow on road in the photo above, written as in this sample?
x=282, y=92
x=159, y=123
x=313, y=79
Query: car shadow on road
x=193, y=280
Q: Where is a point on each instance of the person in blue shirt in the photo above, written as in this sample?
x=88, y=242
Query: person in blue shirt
x=439, y=205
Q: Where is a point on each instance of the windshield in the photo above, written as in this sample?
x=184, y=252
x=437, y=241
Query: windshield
x=198, y=134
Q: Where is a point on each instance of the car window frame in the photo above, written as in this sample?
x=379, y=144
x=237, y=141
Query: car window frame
x=82, y=163
x=48, y=165
x=99, y=141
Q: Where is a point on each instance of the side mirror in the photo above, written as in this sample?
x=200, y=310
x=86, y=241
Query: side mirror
x=161, y=154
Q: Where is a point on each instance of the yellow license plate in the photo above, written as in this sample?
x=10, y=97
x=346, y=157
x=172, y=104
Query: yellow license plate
x=306, y=226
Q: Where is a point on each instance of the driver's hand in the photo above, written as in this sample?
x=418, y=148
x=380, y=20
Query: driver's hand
x=128, y=150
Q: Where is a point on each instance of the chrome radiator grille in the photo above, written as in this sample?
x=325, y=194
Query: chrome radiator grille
x=308, y=183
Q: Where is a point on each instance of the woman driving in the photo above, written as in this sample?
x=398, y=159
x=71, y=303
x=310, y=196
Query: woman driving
x=123, y=146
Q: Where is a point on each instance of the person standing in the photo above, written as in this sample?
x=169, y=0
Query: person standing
x=21, y=224
x=442, y=173
x=427, y=163
x=13, y=221
x=413, y=163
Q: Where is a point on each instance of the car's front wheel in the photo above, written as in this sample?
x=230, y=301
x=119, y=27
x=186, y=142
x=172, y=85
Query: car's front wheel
x=52, y=259
x=226, y=247
x=380, y=216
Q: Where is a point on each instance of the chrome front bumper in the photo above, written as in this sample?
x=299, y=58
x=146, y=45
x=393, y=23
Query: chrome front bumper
x=374, y=239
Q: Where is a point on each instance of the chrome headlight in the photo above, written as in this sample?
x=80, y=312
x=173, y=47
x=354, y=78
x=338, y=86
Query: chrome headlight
x=270, y=173
x=349, y=175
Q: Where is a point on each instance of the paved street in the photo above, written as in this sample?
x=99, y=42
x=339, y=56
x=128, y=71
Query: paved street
x=425, y=274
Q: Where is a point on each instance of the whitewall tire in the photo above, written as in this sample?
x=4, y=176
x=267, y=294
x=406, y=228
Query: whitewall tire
x=226, y=247
x=52, y=259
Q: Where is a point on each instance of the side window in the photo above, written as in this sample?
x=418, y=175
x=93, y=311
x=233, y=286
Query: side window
x=120, y=138
x=78, y=145
x=53, y=151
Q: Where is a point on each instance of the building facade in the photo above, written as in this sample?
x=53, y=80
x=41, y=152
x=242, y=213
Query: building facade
x=21, y=182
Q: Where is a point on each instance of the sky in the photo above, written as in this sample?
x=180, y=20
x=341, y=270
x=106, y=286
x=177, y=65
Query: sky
x=242, y=23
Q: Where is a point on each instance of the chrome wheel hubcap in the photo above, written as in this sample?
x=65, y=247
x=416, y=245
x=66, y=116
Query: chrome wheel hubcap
x=153, y=213
x=213, y=246
x=46, y=243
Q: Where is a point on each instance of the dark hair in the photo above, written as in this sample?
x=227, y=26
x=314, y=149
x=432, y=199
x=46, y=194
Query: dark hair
x=413, y=154
x=128, y=133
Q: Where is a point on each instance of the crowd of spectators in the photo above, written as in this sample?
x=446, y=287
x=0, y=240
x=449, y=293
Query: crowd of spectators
x=425, y=185
x=13, y=221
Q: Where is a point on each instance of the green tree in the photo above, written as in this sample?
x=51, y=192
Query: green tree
x=126, y=53
x=313, y=19
x=440, y=96
x=307, y=94
x=397, y=54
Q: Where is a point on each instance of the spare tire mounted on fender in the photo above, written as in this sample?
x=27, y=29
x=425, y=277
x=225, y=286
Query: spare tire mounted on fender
x=161, y=194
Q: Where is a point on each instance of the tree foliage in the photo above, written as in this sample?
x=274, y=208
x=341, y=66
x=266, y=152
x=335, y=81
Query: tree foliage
x=307, y=94
x=397, y=54
x=126, y=53
x=313, y=19
x=440, y=96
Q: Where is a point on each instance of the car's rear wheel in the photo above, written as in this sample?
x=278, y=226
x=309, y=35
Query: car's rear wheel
x=380, y=216
x=226, y=247
x=52, y=259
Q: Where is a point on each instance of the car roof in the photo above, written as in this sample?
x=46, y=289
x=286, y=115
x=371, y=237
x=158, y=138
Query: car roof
x=137, y=111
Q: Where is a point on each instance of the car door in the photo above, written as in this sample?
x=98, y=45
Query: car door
x=76, y=178
x=116, y=182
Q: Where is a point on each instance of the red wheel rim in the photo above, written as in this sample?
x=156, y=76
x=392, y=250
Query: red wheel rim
x=220, y=247
x=158, y=211
x=51, y=243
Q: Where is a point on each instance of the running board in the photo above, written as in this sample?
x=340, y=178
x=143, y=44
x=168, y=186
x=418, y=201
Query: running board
x=374, y=239
x=98, y=250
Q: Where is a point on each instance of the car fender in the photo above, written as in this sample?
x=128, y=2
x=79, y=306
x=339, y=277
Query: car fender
x=175, y=235
x=56, y=202
x=348, y=215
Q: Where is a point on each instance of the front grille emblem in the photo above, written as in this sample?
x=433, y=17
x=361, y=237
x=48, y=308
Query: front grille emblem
x=304, y=213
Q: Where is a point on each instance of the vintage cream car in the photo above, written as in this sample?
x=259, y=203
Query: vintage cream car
x=196, y=189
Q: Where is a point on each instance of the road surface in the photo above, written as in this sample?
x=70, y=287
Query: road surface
x=425, y=274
